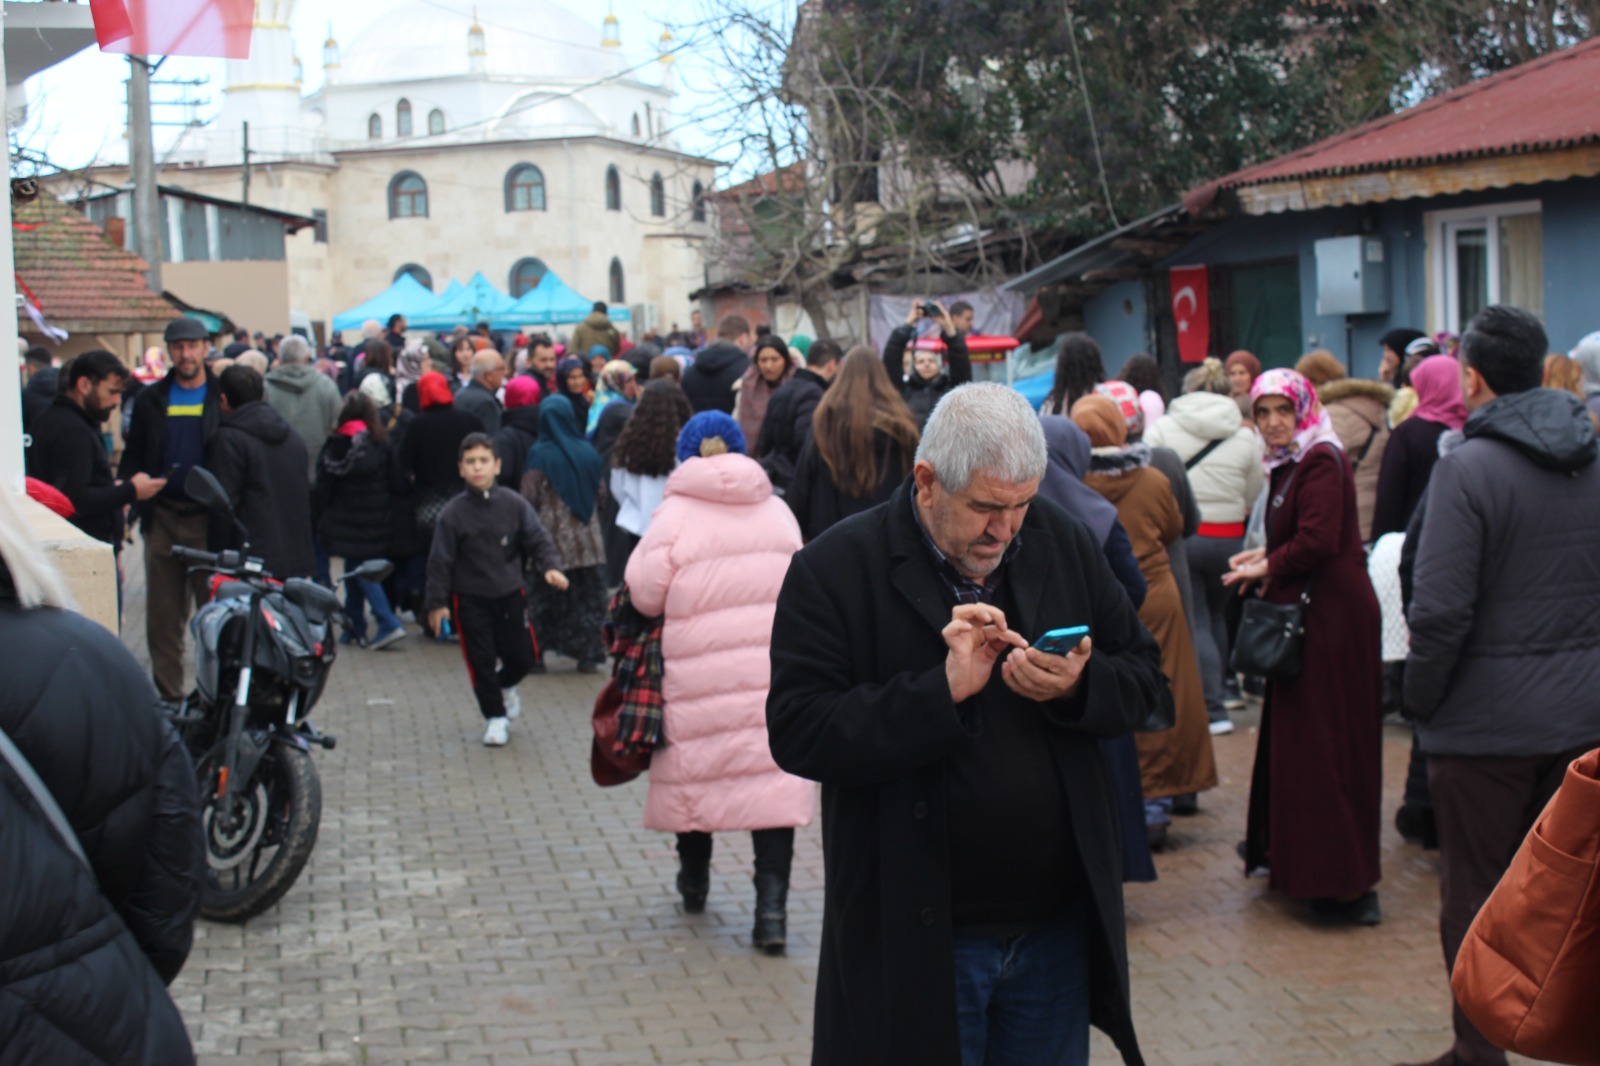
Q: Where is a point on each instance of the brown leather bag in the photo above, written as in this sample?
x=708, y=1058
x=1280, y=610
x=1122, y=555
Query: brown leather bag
x=1528, y=969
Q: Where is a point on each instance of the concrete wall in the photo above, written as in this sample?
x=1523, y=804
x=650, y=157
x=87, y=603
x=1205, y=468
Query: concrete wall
x=1571, y=261
x=89, y=565
x=254, y=293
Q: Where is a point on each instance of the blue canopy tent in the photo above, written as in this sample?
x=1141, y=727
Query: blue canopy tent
x=553, y=302
x=476, y=301
x=406, y=296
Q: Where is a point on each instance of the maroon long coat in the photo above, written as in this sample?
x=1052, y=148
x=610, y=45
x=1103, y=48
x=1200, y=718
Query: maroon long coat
x=1316, y=792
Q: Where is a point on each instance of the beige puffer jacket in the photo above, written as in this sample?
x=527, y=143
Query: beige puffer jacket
x=1360, y=413
x=1228, y=480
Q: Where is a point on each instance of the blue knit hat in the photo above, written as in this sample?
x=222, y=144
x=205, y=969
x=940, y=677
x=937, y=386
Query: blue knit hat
x=702, y=427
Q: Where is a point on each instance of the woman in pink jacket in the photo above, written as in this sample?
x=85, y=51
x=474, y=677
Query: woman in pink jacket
x=712, y=563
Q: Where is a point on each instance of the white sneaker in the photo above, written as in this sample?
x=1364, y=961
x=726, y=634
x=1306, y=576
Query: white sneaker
x=1222, y=727
x=512, y=701
x=497, y=734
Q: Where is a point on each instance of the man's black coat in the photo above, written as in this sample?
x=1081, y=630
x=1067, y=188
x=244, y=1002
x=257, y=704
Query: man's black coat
x=67, y=452
x=144, y=450
x=859, y=702
x=262, y=463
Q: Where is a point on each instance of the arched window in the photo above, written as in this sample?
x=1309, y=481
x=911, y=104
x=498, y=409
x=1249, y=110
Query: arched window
x=619, y=294
x=649, y=119
x=636, y=125
x=374, y=128
x=524, y=188
x=526, y=275
x=408, y=195
x=697, y=202
x=402, y=119
x=435, y=121
x=420, y=273
x=658, y=196
x=613, y=189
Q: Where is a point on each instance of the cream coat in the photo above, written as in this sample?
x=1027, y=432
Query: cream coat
x=712, y=563
x=1226, y=482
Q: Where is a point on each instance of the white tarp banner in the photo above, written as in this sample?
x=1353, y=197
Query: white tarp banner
x=995, y=314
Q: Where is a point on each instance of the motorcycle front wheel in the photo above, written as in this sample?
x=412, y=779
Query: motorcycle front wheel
x=256, y=853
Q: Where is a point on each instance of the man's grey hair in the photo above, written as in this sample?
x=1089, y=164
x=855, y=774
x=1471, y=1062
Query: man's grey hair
x=485, y=363
x=985, y=428
x=294, y=349
x=371, y=328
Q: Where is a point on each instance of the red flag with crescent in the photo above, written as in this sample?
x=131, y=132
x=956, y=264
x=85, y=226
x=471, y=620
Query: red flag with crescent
x=215, y=28
x=1191, y=312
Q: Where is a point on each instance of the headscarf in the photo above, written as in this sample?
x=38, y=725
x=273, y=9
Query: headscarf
x=565, y=367
x=702, y=427
x=410, y=368
x=1586, y=353
x=1126, y=399
x=571, y=464
x=1437, y=380
x=801, y=343
x=376, y=386
x=614, y=378
x=521, y=392
x=433, y=390
x=1246, y=360
x=1098, y=416
x=1312, y=426
x=1068, y=449
x=600, y=349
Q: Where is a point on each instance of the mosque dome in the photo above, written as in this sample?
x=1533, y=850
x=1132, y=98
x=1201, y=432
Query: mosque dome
x=523, y=38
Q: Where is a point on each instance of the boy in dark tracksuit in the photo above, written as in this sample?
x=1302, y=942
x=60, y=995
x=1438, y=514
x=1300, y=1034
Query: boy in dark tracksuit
x=480, y=545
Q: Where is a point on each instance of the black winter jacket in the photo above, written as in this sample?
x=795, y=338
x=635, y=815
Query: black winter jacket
x=429, y=452
x=1505, y=638
x=262, y=463
x=1408, y=461
x=519, y=432
x=355, y=497
x=859, y=702
x=709, y=380
x=38, y=394
x=69, y=453
x=83, y=957
x=788, y=425
x=482, y=544
x=476, y=400
x=146, y=443
x=920, y=395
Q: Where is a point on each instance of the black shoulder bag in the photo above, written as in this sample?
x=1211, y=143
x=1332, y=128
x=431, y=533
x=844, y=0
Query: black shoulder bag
x=1270, y=635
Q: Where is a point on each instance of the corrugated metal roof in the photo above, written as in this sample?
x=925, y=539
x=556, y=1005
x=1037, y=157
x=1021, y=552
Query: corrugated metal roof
x=83, y=282
x=1547, y=103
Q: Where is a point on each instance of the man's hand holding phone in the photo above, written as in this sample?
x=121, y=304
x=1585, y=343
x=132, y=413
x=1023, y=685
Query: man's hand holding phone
x=977, y=637
x=1052, y=668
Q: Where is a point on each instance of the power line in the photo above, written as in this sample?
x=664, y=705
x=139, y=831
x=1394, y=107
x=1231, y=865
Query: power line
x=1088, y=107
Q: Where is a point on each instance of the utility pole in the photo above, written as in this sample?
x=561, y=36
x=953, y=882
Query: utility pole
x=245, y=198
x=142, y=156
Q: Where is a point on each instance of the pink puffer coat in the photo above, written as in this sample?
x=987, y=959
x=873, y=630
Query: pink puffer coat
x=712, y=563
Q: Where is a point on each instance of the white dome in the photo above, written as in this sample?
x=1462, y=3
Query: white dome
x=541, y=114
x=523, y=39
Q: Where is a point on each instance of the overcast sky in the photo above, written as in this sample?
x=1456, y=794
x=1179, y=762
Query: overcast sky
x=77, y=111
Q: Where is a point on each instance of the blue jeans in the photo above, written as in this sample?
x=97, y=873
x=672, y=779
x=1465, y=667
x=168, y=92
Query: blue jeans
x=1024, y=1000
x=357, y=594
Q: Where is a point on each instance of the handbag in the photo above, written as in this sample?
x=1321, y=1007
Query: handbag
x=607, y=765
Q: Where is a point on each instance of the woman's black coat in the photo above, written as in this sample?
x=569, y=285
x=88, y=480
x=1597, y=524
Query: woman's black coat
x=83, y=957
x=859, y=702
x=355, y=495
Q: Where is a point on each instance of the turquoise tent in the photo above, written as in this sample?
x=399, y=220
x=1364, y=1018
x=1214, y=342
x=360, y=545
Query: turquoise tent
x=476, y=301
x=553, y=302
x=406, y=296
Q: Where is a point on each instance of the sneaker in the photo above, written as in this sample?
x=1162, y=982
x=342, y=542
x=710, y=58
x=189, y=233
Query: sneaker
x=1233, y=701
x=1221, y=727
x=512, y=701
x=387, y=637
x=497, y=734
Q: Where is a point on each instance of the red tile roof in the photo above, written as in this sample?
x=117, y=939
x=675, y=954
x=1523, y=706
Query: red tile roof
x=83, y=282
x=1547, y=103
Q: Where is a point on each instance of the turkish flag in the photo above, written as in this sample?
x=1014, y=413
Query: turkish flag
x=1191, y=312
x=218, y=29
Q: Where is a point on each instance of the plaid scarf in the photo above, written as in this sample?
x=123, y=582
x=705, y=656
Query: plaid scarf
x=635, y=644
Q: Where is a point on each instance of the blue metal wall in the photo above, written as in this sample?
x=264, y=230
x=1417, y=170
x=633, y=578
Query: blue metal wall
x=1119, y=321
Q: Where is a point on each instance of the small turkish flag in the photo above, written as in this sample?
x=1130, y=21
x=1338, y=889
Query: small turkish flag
x=1191, y=311
x=218, y=29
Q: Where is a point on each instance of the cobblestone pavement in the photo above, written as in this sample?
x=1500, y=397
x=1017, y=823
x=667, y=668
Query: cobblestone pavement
x=469, y=905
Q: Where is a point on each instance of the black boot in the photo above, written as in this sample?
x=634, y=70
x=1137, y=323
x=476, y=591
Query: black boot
x=772, y=918
x=694, y=884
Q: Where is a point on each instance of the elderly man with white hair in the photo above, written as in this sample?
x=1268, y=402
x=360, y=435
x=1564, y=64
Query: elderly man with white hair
x=973, y=908
x=477, y=397
x=307, y=400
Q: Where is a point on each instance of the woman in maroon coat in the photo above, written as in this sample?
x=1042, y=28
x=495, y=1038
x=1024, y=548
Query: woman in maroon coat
x=1316, y=790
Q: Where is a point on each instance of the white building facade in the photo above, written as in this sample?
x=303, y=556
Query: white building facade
x=452, y=137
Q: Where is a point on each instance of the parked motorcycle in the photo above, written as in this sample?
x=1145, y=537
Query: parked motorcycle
x=263, y=651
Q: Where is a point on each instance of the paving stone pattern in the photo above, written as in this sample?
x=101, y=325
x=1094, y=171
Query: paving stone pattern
x=474, y=905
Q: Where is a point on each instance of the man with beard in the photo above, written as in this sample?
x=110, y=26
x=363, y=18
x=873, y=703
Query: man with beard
x=173, y=423
x=69, y=451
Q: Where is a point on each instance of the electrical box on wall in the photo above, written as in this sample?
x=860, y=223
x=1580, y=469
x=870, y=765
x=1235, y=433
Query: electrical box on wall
x=1352, y=276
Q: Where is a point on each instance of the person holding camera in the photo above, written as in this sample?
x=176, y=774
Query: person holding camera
x=924, y=383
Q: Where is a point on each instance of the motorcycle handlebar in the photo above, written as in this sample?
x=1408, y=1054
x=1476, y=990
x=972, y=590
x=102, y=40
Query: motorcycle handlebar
x=224, y=561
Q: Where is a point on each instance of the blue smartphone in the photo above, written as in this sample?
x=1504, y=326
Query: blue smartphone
x=1061, y=641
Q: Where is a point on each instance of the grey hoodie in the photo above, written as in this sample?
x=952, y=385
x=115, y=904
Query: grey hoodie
x=1505, y=640
x=308, y=401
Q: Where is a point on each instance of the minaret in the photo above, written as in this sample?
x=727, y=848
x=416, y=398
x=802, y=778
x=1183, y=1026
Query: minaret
x=330, y=58
x=610, y=30
x=263, y=90
x=477, y=47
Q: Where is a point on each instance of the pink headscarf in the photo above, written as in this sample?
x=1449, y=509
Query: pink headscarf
x=1437, y=381
x=521, y=392
x=1312, y=426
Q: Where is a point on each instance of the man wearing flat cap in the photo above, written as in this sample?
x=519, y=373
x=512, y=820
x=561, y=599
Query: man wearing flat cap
x=173, y=422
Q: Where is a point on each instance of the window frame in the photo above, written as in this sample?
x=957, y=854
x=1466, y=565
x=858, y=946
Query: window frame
x=658, y=195
x=435, y=128
x=697, y=202
x=511, y=185
x=395, y=192
x=402, y=118
x=426, y=281
x=374, y=127
x=516, y=272
x=1443, y=270
x=613, y=188
x=616, y=282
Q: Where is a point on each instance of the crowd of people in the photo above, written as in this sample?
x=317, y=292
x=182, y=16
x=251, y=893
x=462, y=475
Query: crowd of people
x=913, y=536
